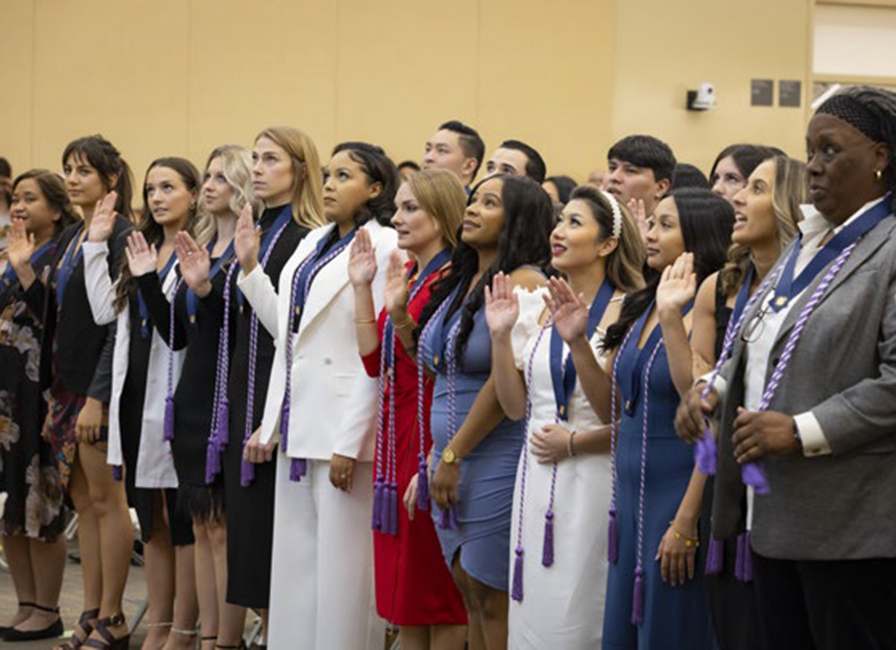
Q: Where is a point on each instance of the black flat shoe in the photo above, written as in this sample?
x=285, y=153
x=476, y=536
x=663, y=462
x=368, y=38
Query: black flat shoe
x=4, y=629
x=53, y=630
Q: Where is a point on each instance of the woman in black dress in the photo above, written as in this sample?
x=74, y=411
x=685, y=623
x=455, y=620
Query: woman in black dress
x=140, y=361
x=76, y=367
x=286, y=178
x=33, y=514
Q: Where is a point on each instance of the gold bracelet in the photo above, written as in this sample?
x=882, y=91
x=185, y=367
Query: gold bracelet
x=688, y=542
x=407, y=322
x=365, y=321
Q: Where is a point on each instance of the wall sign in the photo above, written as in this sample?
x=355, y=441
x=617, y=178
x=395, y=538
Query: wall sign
x=762, y=92
x=790, y=93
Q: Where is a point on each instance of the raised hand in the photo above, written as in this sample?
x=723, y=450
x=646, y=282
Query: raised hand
x=246, y=240
x=103, y=221
x=678, y=285
x=569, y=312
x=502, y=307
x=639, y=211
x=194, y=264
x=362, y=260
x=142, y=258
x=20, y=245
x=396, y=294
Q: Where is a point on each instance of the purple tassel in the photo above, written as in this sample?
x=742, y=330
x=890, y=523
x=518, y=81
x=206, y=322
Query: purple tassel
x=517, y=590
x=222, y=431
x=422, y=484
x=392, y=507
x=212, y=461
x=638, y=598
x=743, y=570
x=706, y=453
x=748, y=559
x=117, y=473
x=752, y=475
x=169, y=419
x=714, y=557
x=739, y=558
x=297, y=469
x=384, y=509
x=612, y=544
x=452, y=518
x=376, y=522
x=284, y=425
x=247, y=473
x=547, y=550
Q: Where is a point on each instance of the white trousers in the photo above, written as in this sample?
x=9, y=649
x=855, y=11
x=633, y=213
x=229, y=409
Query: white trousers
x=322, y=591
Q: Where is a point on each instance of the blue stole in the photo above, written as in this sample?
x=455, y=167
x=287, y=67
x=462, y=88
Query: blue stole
x=743, y=295
x=141, y=304
x=10, y=278
x=72, y=256
x=323, y=254
x=434, y=265
x=630, y=380
x=789, y=287
x=192, y=298
x=563, y=374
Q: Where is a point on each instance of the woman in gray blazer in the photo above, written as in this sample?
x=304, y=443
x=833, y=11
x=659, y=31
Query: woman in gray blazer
x=807, y=400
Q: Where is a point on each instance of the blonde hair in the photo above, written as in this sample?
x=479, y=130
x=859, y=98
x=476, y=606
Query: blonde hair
x=237, y=169
x=790, y=191
x=307, y=202
x=440, y=193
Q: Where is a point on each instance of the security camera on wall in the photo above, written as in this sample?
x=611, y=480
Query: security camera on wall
x=703, y=98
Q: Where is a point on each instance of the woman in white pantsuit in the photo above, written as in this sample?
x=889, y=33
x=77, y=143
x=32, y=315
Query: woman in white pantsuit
x=321, y=406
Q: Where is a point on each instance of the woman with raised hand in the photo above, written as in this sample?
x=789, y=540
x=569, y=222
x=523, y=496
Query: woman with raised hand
x=414, y=589
x=321, y=406
x=283, y=170
x=33, y=517
x=476, y=447
x=767, y=213
x=76, y=367
x=564, y=473
x=805, y=407
x=140, y=359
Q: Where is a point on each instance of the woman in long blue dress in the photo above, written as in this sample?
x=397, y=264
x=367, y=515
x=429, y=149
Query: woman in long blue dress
x=655, y=594
x=475, y=447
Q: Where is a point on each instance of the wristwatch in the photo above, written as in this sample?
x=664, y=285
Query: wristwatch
x=450, y=457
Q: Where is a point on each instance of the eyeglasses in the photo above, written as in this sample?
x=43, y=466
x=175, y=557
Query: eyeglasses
x=754, y=327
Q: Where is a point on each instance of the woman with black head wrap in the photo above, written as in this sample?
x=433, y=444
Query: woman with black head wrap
x=808, y=403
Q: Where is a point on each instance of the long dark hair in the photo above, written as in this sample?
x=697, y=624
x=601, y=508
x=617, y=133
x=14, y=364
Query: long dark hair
x=107, y=161
x=55, y=194
x=152, y=231
x=524, y=239
x=378, y=168
x=706, y=221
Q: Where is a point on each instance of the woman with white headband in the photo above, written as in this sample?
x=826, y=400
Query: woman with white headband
x=564, y=475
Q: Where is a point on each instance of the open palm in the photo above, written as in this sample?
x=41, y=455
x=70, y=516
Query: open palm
x=246, y=240
x=569, y=313
x=193, y=261
x=678, y=284
x=20, y=245
x=502, y=307
x=103, y=221
x=362, y=260
x=396, y=293
x=142, y=258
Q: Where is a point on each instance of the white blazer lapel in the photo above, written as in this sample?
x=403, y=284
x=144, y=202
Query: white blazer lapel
x=326, y=286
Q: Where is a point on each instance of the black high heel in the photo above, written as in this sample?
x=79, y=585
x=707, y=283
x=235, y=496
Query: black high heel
x=52, y=631
x=84, y=622
x=108, y=641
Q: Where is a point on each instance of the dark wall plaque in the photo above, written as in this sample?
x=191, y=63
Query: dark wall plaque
x=790, y=93
x=762, y=92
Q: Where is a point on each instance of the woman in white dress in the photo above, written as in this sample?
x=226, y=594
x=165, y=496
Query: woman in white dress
x=559, y=540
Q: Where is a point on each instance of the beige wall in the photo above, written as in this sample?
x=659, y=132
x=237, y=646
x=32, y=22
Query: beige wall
x=177, y=77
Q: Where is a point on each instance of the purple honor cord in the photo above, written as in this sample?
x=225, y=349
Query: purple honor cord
x=168, y=426
x=448, y=518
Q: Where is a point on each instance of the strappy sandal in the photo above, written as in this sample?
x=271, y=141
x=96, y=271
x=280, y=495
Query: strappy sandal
x=204, y=639
x=107, y=640
x=84, y=625
x=241, y=646
x=53, y=630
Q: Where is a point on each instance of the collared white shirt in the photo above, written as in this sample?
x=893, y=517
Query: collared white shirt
x=815, y=229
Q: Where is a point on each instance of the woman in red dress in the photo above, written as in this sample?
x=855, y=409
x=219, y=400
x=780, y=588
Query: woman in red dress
x=414, y=588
